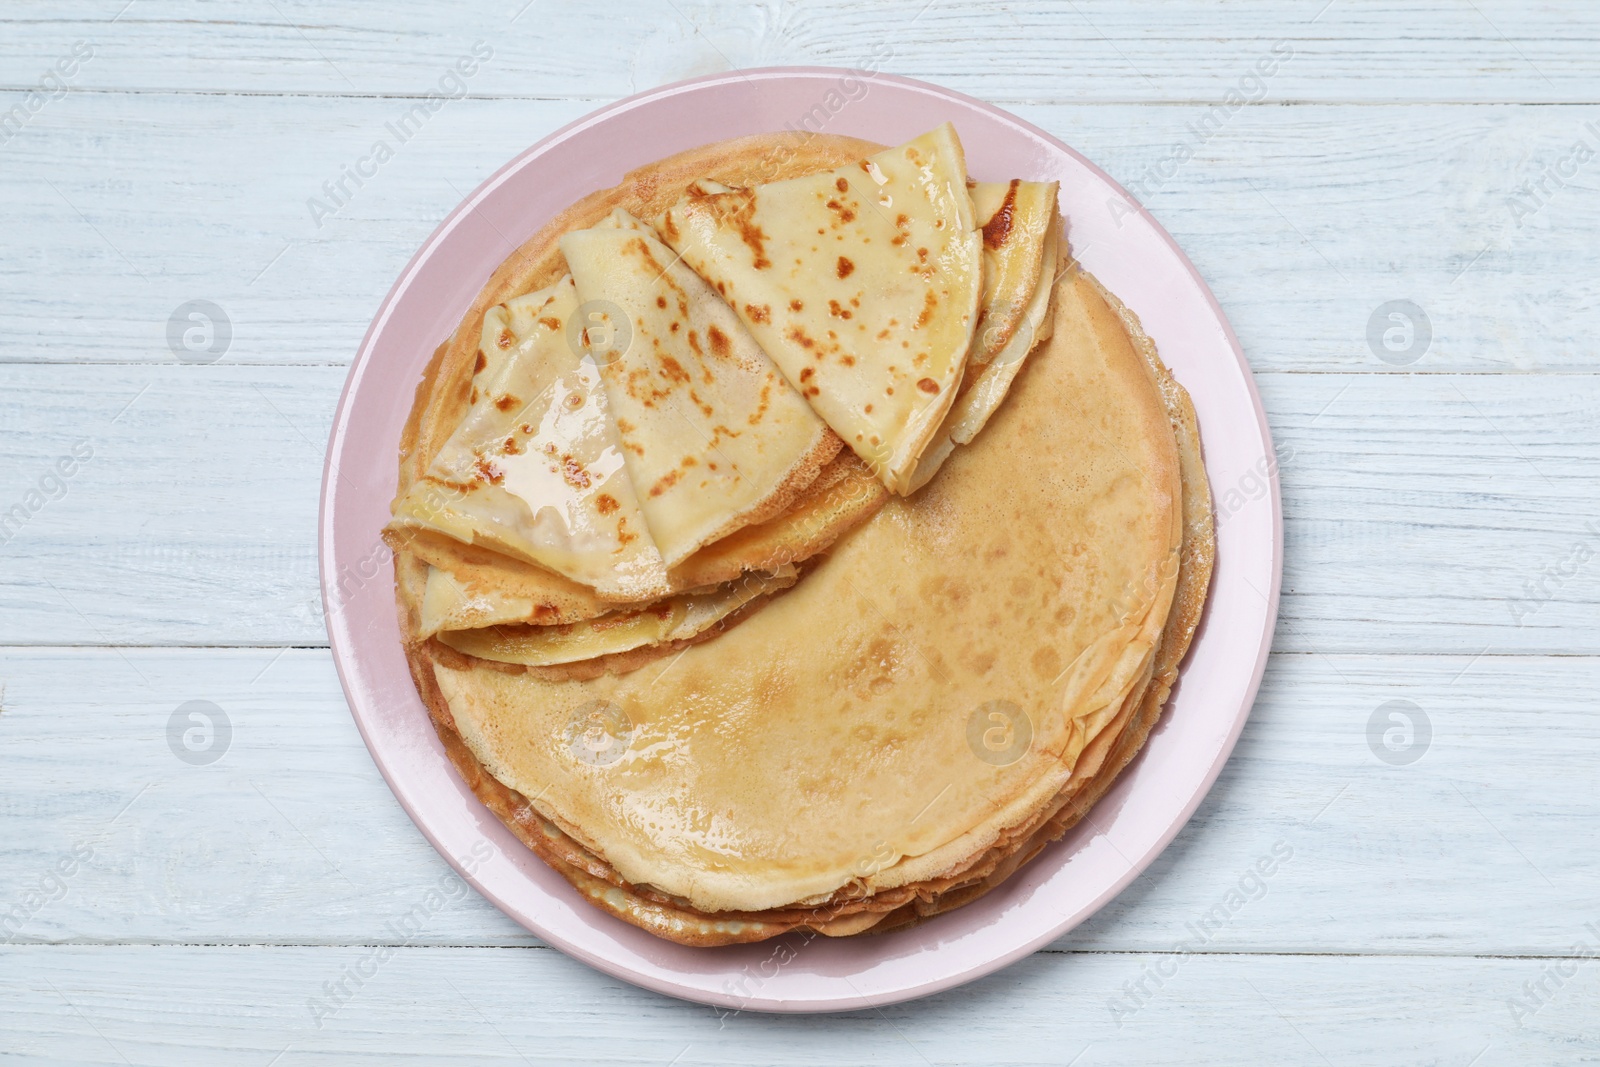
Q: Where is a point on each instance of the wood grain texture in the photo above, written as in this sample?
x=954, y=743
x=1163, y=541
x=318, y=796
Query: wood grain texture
x=1304, y=220
x=1440, y=515
x=1149, y=50
x=226, y=1005
x=292, y=838
x=1422, y=510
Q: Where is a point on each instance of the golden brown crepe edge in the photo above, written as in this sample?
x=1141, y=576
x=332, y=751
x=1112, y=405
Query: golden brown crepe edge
x=1196, y=563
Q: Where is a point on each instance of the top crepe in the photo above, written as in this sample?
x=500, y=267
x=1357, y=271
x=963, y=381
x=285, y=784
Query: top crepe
x=862, y=282
x=713, y=436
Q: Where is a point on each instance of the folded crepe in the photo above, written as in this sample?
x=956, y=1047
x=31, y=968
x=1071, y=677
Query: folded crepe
x=712, y=434
x=862, y=282
x=536, y=469
x=1016, y=218
x=671, y=619
x=1020, y=236
x=497, y=609
x=476, y=598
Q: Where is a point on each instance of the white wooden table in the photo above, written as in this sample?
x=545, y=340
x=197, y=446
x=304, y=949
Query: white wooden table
x=1441, y=494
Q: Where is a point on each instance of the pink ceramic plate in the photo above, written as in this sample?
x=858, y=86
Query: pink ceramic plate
x=1113, y=237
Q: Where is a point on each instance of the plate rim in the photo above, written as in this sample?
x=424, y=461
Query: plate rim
x=342, y=650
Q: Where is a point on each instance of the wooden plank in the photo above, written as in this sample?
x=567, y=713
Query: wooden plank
x=1435, y=513
x=316, y=840
x=126, y=207
x=1424, y=513
x=194, y=520
x=223, y=1006
x=291, y=836
x=1432, y=50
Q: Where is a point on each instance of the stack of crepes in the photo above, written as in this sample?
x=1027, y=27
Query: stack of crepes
x=746, y=575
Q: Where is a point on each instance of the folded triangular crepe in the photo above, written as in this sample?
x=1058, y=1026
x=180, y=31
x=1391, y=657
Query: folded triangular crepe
x=713, y=435
x=535, y=470
x=1021, y=236
x=1015, y=217
x=471, y=588
x=670, y=619
x=861, y=282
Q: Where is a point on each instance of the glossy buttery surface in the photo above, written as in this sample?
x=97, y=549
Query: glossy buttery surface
x=536, y=468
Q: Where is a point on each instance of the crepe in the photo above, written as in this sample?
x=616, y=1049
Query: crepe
x=672, y=619
x=468, y=589
x=1016, y=218
x=1097, y=771
x=1021, y=234
x=862, y=282
x=535, y=470
x=987, y=388
x=496, y=588
x=712, y=434
x=731, y=796
x=1044, y=586
x=853, y=911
